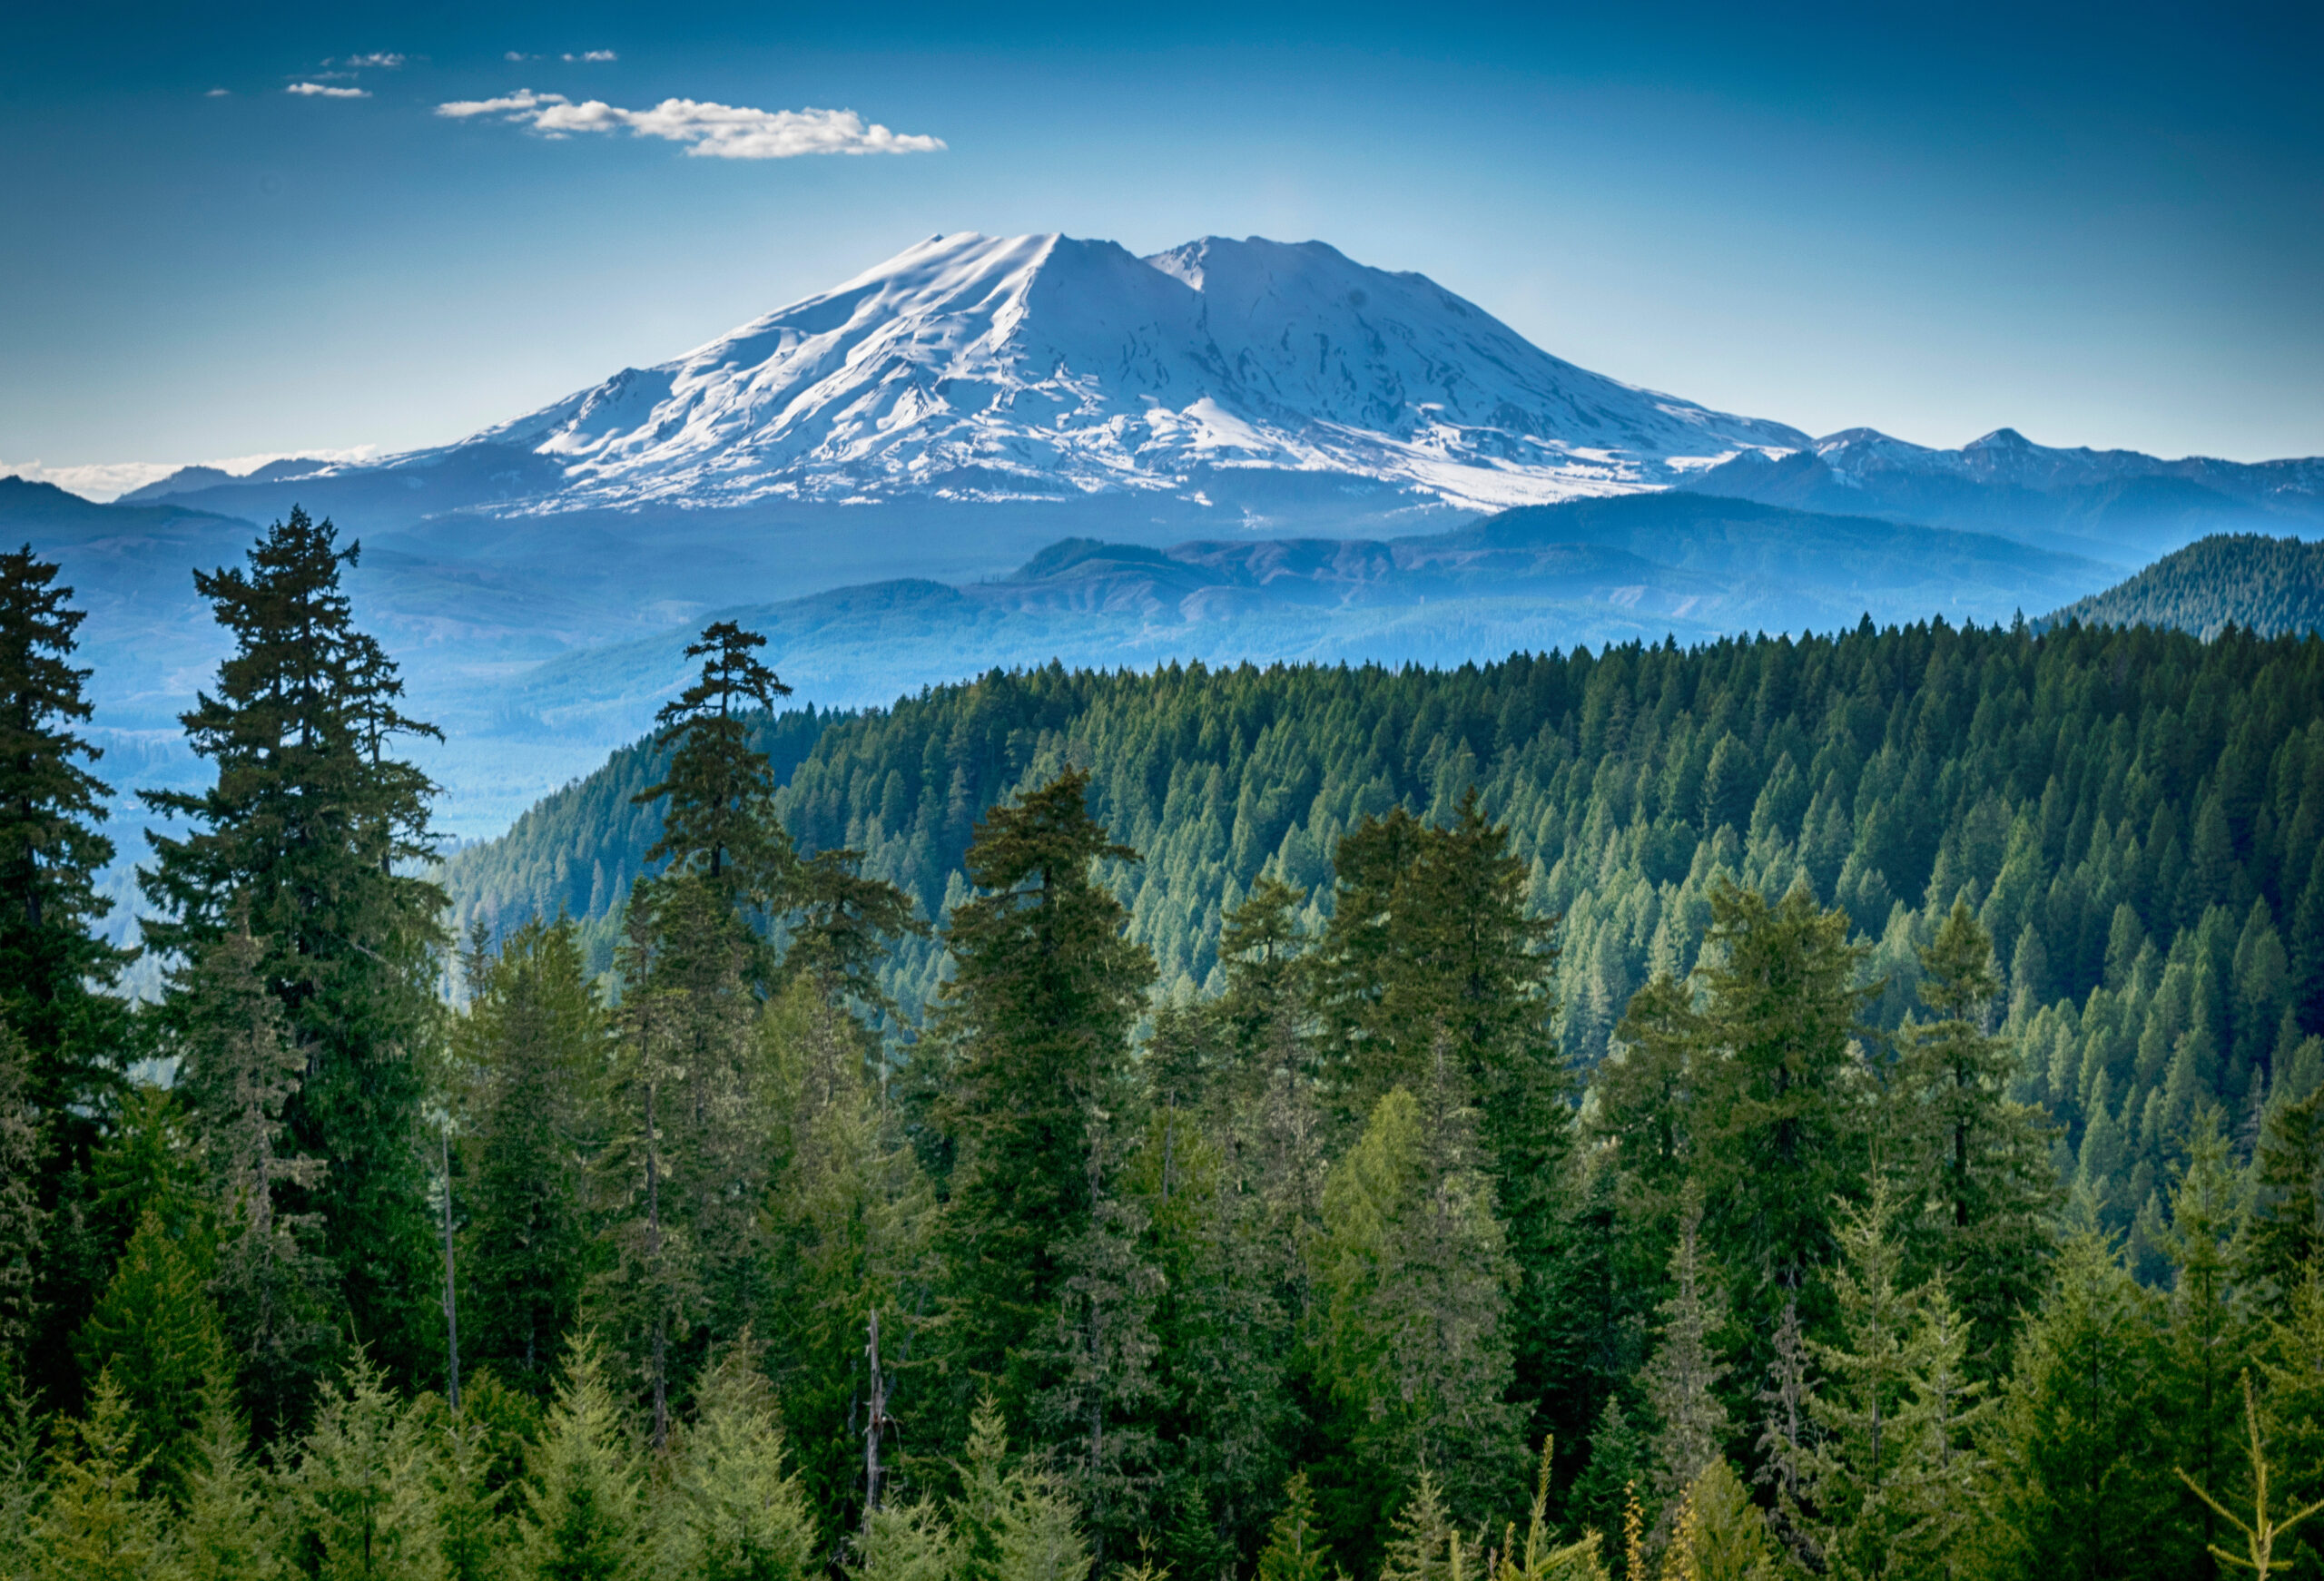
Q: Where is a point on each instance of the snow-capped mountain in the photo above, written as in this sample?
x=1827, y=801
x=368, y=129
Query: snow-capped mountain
x=981, y=367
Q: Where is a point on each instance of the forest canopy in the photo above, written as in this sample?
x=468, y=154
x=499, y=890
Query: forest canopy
x=1825, y=1106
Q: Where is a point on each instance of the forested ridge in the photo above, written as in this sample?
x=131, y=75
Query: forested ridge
x=1207, y=1123
x=2269, y=585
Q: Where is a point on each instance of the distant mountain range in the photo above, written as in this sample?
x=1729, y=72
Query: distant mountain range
x=1004, y=450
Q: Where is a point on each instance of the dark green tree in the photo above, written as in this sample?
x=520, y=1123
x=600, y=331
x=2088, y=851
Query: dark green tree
x=531, y=1057
x=1036, y=1021
x=719, y=819
x=240, y=1067
x=305, y=840
x=53, y=969
x=1977, y=1164
x=1783, y=1130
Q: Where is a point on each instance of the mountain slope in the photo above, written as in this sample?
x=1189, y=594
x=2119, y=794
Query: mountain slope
x=974, y=368
x=2269, y=585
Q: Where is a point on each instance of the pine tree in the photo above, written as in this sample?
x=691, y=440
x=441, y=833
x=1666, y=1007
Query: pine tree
x=95, y=1524
x=2078, y=1491
x=1782, y=1133
x=239, y=1068
x=2291, y=1369
x=906, y=1542
x=1424, y=1543
x=228, y=1532
x=155, y=1334
x=1979, y=1161
x=1011, y=1522
x=1295, y=1550
x=2206, y=1337
x=1944, y=1476
x=1682, y=1380
x=719, y=821
x=53, y=969
x=298, y=843
x=1859, y=1494
x=22, y=1220
x=1037, y=1017
x=846, y=1234
x=1726, y=1537
x=531, y=1054
x=737, y=1513
x=363, y=1501
x=1618, y=1459
x=586, y=1516
x=2287, y=1231
x=1416, y=1349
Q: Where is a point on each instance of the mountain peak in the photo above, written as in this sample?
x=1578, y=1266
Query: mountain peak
x=975, y=366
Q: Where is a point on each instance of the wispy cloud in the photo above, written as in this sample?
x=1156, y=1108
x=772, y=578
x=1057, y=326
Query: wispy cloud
x=321, y=91
x=710, y=130
x=594, y=56
x=385, y=60
x=219, y=93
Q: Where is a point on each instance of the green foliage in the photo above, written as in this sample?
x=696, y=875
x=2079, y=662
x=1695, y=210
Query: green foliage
x=22, y=1220
x=301, y=843
x=95, y=1524
x=529, y=1058
x=53, y=969
x=585, y=1514
x=1972, y=1162
x=230, y=1530
x=1295, y=1550
x=737, y=1512
x=155, y=1334
x=362, y=1502
x=240, y=1067
x=1415, y=1347
x=1036, y=1021
x=2227, y=582
x=2075, y=1493
x=717, y=788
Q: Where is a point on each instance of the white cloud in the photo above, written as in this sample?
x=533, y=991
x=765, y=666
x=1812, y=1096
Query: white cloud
x=105, y=481
x=385, y=60
x=710, y=130
x=219, y=93
x=594, y=56
x=519, y=105
x=318, y=91
x=515, y=55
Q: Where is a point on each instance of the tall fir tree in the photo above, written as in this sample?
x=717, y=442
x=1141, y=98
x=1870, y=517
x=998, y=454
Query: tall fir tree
x=1783, y=1130
x=1975, y=1161
x=530, y=1058
x=2078, y=1491
x=240, y=1067
x=54, y=970
x=1036, y=1019
x=1683, y=1380
x=1415, y=1347
x=305, y=841
x=720, y=821
x=22, y=1221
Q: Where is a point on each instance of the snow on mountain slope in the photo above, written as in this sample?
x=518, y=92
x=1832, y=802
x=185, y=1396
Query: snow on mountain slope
x=979, y=367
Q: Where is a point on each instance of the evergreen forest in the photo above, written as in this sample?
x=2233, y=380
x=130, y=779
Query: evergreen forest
x=1842, y=1104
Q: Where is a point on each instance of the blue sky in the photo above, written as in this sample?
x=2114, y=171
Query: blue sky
x=2098, y=226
